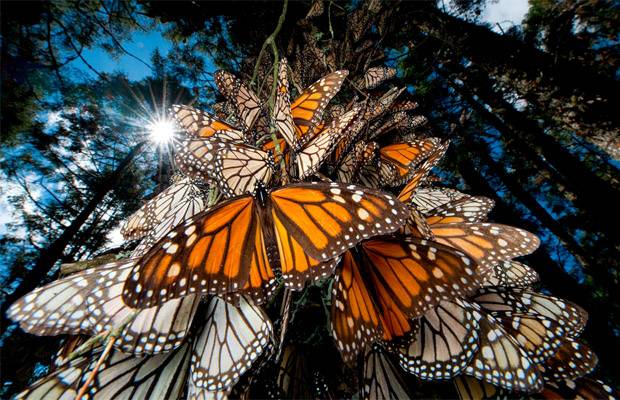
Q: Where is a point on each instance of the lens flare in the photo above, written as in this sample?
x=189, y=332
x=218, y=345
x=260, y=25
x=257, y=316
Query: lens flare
x=161, y=131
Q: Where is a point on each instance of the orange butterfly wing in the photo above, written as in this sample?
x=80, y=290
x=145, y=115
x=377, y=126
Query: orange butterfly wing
x=211, y=253
x=466, y=209
x=198, y=124
x=406, y=195
x=488, y=244
x=416, y=274
x=353, y=311
x=308, y=108
x=297, y=267
x=327, y=219
x=403, y=156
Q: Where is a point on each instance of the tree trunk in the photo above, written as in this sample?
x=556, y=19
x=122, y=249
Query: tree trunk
x=602, y=314
x=529, y=71
x=48, y=256
x=595, y=195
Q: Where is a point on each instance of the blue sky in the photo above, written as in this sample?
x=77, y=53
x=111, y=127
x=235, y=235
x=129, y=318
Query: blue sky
x=141, y=45
x=504, y=13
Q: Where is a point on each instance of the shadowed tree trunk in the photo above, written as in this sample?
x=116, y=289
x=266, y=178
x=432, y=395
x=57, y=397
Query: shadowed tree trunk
x=599, y=332
x=52, y=253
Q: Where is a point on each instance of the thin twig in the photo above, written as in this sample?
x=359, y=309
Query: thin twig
x=103, y=336
x=270, y=39
x=93, y=373
x=285, y=313
x=329, y=18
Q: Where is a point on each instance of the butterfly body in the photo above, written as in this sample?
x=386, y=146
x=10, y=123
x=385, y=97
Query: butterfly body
x=225, y=249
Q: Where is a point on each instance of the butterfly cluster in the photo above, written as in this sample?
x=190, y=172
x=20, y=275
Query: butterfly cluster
x=314, y=192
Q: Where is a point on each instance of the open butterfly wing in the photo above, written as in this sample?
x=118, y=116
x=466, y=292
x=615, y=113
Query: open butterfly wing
x=210, y=253
x=488, y=244
x=418, y=274
x=444, y=343
x=232, y=338
x=200, y=124
x=327, y=219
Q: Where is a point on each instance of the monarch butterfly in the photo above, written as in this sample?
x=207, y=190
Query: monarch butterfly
x=293, y=375
x=512, y=274
x=539, y=336
x=231, y=340
x=194, y=393
x=582, y=389
x=121, y=375
x=397, y=160
x=235, y=168
x=429, y=198
x=198, y=124
x=465, y=209
x=316, y=9
x=376, y=108
x=89, y=302
x=308, y=108
x=181, y=200
x=407, y=194
x=496, y=300
x=443, y=341
x=487, y=243
x=386, y=281
x=407, y=105
x=245, y=102
x=573, y=360
x=225, y=249
x=469, y=388
x=361, y=154
x=375, y=76
x=501, y=361
x=381, y=127
x=380, y=379
x=239, y=168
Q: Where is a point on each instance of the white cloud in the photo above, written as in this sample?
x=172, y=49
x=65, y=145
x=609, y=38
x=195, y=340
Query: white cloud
x=506, y=13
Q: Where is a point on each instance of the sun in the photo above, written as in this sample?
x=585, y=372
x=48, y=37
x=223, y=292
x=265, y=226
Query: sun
x=161, y=130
